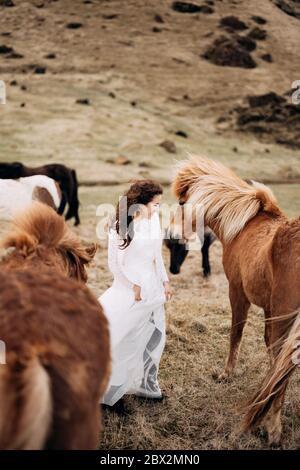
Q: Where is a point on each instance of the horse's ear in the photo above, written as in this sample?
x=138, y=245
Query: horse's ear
x=91, y=251
x=22, y=241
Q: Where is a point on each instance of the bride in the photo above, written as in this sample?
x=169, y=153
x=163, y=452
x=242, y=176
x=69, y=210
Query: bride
x=134, y=304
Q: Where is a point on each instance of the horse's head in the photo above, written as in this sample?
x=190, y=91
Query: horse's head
x=178, y=252
x=11, y=170
x=183, y=223
x=41, y=239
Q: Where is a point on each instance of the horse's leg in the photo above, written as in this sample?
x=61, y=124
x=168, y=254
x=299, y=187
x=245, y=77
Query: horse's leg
x=63, y=203
x=240, y=307
x=205, y=255
x=80, y=432
x=73, y=198
x=272, y=421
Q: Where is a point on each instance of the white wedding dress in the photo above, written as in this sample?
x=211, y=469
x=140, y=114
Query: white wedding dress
x=137, y=328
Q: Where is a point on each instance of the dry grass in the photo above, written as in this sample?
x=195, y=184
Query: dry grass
x=201, y=413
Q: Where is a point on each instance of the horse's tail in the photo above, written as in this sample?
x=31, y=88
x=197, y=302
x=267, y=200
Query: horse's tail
x=25, y=405
x=276, y=380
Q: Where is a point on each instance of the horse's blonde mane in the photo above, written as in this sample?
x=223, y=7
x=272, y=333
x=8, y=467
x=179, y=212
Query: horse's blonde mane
x=228, y=202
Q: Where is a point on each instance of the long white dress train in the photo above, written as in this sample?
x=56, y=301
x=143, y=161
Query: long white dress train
x=137, y=328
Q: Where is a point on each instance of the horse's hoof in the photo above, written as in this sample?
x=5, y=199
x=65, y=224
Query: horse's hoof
x=224, y=377
x=206, y=274
x=274, y=438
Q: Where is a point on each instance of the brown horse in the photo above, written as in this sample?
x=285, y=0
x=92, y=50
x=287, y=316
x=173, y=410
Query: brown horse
x=261, y=252
x=56, y=338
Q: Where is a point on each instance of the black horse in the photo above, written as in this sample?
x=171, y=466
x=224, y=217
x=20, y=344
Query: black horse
x=66, y=178
x=178, y=252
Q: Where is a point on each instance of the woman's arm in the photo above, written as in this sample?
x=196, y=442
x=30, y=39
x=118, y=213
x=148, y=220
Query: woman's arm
x=161, y=267
x=113, y=259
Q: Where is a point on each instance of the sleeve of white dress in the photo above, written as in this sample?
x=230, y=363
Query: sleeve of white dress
x=159, y=259
x=113, y=259
x=161, y=266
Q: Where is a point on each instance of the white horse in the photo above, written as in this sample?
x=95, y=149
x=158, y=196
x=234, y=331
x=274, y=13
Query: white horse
x=16, y=195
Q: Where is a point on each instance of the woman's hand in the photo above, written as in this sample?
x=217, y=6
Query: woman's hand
x=137, y=292
x=168, y=291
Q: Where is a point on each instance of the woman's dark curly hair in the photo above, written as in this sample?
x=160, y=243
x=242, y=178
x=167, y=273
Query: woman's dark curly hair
x=141, y=192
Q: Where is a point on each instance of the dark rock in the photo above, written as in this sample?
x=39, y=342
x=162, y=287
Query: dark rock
x=23, y=87
x=146, y=164
x=121, y=160
x=206, y=9
x=270, y=117
x=15, y=55
x=227, y=51
x=258, y=34
x=155, y=29
x=267, y=58
x=246, y=43
x=259, y=19
x=186, y=7
x=50, y=56
x=13, y=83
x=74, y=25
x=111, y=94
x=6, y=34
x=169, y=146
x=181, y=134
x=158, y=18
x=6, y=3
x=84, y=101
x=110, y=16
x=5, y=49
x=233, y=22
x=262, y=100
x=40, y=70
x=133, y=104
x=290, y=7
x=22, y=105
